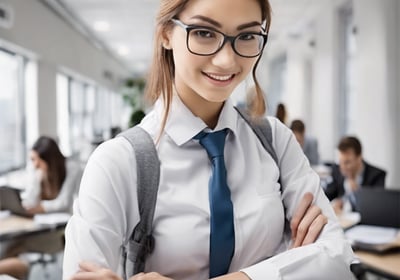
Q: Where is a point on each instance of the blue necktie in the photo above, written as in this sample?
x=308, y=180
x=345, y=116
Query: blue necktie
x=222, y=234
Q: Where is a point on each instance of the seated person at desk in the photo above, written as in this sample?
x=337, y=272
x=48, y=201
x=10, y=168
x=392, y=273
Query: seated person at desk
x=55, y=181
x=351, y=173
x=308, y=143
x=52, y=189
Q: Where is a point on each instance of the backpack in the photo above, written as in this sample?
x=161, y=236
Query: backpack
x=141, y=241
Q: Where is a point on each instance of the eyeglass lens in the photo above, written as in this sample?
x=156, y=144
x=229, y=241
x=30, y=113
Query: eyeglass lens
x=204, y=41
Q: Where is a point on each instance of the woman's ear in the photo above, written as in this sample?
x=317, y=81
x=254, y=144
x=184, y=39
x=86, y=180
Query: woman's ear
x=166, y=35
x=166, y=44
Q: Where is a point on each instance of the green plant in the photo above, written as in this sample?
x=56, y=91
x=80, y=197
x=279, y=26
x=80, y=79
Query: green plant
x=132, y=94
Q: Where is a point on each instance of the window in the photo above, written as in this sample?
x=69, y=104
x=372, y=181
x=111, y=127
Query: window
x=83, y=114
x=63, y=130
x=13, y=142
x=347, y=79
x=277, y=87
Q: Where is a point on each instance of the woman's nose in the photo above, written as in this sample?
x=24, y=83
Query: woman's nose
x=225, y=57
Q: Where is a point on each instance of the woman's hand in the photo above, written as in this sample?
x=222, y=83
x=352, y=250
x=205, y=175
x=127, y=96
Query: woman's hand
x=337, y=205
x=38, y=209
x=149, y=276
x=233, y=276
x=307, y=222
x=91, y=271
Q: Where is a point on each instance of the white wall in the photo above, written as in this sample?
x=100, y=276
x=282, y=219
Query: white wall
x=298, y=96
x=56, y=44
x=311, y=84
x=47, y=99
x=377, y=117
x=396, y=179
x=325, y=81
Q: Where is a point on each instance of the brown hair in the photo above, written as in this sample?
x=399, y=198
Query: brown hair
x=281, y=112
x=161, y=76
x=350, y=143
x=298, y=126
x=49, y=151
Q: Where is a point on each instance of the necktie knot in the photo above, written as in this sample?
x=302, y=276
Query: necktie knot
x=214, y=142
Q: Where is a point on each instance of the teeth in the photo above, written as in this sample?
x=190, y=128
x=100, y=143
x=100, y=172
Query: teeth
x=220, y=78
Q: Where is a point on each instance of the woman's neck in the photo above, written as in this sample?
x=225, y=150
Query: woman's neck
x=207, y=111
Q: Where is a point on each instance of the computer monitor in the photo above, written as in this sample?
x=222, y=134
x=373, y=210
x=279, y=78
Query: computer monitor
x=10, y=199
x=380, y=207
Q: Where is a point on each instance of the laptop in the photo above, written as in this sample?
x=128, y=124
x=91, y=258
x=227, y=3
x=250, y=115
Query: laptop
x=378, y=206
x=10, y=199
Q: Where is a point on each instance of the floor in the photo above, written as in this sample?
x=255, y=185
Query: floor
x=50, y=269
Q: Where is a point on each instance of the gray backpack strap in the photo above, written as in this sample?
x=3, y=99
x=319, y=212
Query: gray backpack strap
x=141, y=242
x=262, y=128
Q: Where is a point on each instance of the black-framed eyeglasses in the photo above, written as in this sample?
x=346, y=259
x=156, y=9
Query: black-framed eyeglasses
x=205, y=41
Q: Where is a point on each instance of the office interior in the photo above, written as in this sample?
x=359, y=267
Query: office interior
x=336, y=67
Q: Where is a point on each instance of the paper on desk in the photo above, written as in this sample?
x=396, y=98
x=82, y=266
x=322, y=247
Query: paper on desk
x=348, y=219
x=51, y=218
x=4, y=214
x=371, y=234
x=6, y=277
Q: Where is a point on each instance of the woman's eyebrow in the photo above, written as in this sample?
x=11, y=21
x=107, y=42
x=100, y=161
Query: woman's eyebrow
x=247, y=25
x=218, y=25
x=207, y=19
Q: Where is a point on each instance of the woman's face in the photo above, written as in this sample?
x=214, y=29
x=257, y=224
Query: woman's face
x=37, y=161
x=211, y=79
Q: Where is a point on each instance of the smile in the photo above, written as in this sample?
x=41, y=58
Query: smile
x=219, y=77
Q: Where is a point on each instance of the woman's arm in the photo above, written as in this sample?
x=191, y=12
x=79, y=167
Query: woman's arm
x=306, y=225
x=331, y=253
x=31, y=195
x=105, y=211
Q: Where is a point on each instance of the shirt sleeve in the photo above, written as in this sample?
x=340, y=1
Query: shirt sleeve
x=31, y=195
x=105, y=211
x=331, y=255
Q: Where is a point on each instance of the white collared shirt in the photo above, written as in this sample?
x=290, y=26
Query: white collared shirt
x=106, y=211
x=349, y=198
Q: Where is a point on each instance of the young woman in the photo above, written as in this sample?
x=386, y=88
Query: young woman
x=54, y=181
x=203, y=50
x=52, y=187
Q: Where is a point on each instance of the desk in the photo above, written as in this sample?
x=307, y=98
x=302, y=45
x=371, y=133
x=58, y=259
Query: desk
x=387, y=265
x=15, y=226
x=19, y=234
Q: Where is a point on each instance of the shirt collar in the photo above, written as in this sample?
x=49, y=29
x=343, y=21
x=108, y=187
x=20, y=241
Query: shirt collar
x=182, y=125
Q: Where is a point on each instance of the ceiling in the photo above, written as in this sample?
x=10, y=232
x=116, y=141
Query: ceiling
x=124, y=28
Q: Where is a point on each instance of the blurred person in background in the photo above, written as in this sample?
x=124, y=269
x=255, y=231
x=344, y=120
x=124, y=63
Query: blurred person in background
x=53, y=185
x=352, y=173
x=281, y=113
x=308, y=144
x=55, y=180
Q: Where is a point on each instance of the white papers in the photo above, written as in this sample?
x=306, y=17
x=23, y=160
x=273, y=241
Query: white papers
x=4, y=214
x=6, y=277
x=373, y=235
x=51, y=218
x=348, y=219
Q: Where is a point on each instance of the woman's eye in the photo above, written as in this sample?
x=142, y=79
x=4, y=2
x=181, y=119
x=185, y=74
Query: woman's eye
x=204, y=33
x=246, y=36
